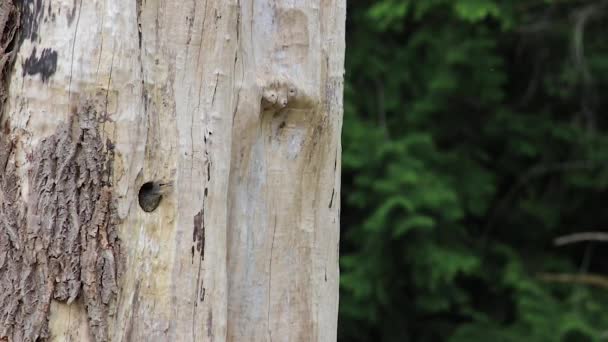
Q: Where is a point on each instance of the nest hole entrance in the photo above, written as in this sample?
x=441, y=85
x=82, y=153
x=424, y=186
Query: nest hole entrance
x=149, y=196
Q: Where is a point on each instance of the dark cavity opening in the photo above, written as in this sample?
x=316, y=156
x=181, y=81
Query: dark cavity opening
x=150, y=195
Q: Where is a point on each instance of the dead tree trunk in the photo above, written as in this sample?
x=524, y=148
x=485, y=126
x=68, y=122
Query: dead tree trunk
x=232, y=108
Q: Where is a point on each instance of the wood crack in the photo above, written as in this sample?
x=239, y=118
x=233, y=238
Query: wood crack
x=274, y=230
x=73, y=49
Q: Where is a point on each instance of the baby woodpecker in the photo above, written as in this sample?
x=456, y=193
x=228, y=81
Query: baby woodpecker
x=151, y=193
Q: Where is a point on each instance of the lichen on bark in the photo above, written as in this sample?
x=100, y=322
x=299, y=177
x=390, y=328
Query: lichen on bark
x=58, y=242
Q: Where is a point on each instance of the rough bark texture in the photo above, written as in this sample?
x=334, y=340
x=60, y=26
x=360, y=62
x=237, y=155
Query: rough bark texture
x=62, y=242
x=237, y=104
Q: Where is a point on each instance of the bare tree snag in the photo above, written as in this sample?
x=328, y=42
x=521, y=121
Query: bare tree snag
x=170, y=170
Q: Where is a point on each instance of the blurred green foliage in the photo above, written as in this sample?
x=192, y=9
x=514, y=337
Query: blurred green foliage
x=474, y=134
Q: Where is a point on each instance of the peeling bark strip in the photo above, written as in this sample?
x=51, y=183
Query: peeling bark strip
x=61, y=242
x=9, y=22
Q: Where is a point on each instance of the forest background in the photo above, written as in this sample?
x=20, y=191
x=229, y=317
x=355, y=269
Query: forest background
x=475, y=134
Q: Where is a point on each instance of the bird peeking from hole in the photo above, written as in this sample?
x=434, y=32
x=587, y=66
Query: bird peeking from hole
x=151, y=194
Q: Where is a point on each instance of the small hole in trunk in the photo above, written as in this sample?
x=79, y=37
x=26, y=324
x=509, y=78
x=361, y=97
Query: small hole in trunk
x=150, y=195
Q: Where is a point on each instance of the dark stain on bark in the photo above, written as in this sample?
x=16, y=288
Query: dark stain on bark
x=32, y=13
x=60, y=243
x=45, y=65
x=210, y=326
x=70, y=16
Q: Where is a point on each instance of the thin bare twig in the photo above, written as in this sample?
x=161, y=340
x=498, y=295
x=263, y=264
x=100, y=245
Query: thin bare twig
x=582, y=279
x=589, y=97
x=581, y=237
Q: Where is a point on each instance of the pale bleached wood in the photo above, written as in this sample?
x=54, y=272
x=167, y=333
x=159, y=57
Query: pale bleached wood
x=245, y=246
x=285, y=176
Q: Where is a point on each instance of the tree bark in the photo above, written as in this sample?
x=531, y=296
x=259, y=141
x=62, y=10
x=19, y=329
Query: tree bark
x=232, y=107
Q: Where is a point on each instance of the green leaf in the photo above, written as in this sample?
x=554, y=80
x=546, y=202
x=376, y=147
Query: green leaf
x=420, y=222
